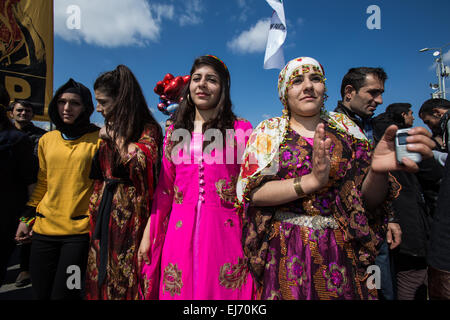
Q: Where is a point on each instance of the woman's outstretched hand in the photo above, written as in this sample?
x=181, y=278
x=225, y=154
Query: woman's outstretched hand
x=384, y=158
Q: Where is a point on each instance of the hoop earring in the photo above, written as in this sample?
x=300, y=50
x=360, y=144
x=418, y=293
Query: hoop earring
x=189, y=99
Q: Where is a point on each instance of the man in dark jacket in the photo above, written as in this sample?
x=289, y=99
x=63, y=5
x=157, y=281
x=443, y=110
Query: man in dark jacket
x=16, y=172
x=411, y=210
x=362, y=91
x=22, y=113
x=438, y=256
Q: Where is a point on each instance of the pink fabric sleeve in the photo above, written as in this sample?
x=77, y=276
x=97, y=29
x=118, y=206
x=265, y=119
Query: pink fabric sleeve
x=159, y=218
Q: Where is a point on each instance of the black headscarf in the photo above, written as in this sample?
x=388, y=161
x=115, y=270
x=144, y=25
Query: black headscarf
x=82, y=124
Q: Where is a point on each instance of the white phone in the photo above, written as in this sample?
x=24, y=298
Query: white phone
x=400, y=147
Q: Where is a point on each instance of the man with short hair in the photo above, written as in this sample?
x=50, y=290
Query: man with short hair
x=362, y=91
x=22, y=113
x=16, y=175
x=434, y=113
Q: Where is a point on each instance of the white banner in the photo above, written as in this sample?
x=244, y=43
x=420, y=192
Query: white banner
x=274, y=58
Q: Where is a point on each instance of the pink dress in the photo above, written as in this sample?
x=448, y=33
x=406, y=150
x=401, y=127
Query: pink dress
x=195, y=232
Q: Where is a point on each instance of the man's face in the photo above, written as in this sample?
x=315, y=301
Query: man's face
x=432, y=121
x=409, y=118
x=365, y=101
x=22, y=114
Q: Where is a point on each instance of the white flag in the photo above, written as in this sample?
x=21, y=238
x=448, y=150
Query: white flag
x=274, y=58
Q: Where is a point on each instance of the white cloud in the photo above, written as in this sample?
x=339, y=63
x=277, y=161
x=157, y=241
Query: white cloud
x=191, y=13
x=112, y=23
x=244, y=11
x=163, y=11
x=266, y=116
x=446, y=56
x=252, y=40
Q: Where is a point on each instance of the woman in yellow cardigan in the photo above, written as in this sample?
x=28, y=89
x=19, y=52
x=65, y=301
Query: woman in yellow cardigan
x=59, y=203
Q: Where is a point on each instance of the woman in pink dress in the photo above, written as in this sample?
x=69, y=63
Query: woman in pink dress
x=191, y=247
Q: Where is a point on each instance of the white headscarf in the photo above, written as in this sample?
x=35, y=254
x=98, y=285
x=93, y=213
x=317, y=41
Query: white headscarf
x=292, y=70
x=261, y=154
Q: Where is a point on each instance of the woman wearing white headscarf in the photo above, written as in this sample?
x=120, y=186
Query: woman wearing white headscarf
x=313, y=196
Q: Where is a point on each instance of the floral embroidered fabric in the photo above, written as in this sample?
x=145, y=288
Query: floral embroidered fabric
x=128, y=217
x=294, y=261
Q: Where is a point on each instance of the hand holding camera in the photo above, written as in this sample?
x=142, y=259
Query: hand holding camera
x=400, y=149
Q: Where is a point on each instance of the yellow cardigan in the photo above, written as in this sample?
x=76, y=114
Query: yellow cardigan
x=63, y=189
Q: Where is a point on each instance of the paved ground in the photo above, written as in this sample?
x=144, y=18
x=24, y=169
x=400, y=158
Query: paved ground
x=9, y=291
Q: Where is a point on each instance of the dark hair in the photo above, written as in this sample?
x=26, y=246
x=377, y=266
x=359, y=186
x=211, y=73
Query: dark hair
x=24, y=103
x=396, y=111
x=356, y=77
x=224, y=117
x=129, y=114
x=428, y=106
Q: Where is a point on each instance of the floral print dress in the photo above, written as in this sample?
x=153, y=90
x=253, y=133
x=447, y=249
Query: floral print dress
x=128, y=212
x=317, y=247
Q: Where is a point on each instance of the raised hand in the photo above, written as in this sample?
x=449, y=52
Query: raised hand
x=384, y=159
x=320, y=159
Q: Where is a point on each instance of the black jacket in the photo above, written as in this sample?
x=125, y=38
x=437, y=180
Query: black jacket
x=353, y=116
x=413, y=211
x=34, y=133
x=439, y=249
x=16, y=171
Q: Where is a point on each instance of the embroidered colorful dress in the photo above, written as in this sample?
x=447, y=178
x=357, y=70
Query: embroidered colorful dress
x=319, y=246
x=195, y=231
x=119, y=207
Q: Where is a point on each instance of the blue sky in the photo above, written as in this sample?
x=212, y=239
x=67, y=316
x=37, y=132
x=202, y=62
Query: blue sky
x=157, y=37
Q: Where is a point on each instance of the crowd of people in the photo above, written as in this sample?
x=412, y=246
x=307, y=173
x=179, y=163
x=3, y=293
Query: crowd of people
x=298, y=208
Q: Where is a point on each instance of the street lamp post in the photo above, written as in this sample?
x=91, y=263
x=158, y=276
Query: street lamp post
x=442, y=71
